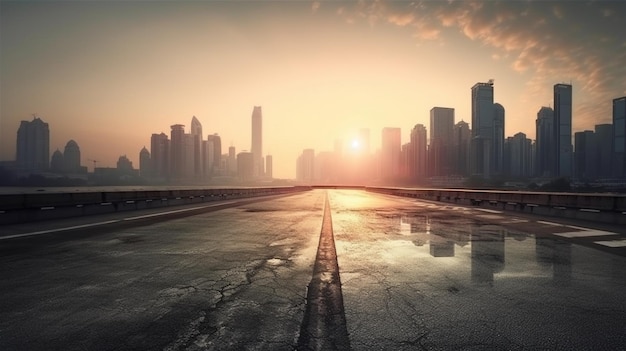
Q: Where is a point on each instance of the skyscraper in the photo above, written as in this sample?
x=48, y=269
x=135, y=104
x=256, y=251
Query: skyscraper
x=390, y=154
x=198, y=154
x=441, y=140
x=482, y=129
x=215, y=142
x=498, y=138
x=585, y=164
x=144, y=163
x=160, y=156
x=604, y=150
x=177, y=151
x=563, y=129
x=33, y=145
x=461, y=148
x=545, y=142
x=619, y=136
x=305, y=168
x=418, y=153
x=519, y=157
x=257, y=140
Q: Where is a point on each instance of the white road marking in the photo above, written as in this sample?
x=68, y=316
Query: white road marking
x=88, y=225
x=58, y=229
x=550, y=223
x=585, y=233
x=488, y=210
x=612, y=243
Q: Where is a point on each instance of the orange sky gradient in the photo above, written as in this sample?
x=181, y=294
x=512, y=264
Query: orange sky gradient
x=109, y=74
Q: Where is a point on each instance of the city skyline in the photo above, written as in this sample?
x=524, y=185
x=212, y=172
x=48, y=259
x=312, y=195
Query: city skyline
x=321, y=71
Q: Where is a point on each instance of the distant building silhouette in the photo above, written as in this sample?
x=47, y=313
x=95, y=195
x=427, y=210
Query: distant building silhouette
x=441, y=141
x=215, y=159
x=619, y=136
x=177, y=151
x=160, y=156
x=418, y=153
x=482, y=130
x=245, y=165
x=545, y=146
x=390, y=154
x=145, y=165
x=232, y=161
x=257, y=141
x=563, y=129
x=518, y=160
x=57, y=164
x=585, y=156
x=199, y=161
x=461, y=148
x=71, y=157
x=33, y=145
x=269, y=167
x=124, y=164
x=603, y=154
x=305, y=166
x=498, y=138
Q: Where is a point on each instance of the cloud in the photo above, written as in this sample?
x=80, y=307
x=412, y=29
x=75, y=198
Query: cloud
x=545, y=40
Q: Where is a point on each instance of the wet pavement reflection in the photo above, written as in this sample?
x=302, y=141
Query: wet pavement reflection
x=450, y=279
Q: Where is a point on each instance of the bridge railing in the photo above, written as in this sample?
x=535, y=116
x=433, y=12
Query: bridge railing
x=20, y=208
x=608, y=208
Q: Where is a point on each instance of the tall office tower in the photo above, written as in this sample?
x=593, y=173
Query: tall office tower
x=390, y=154
x=232, y=161
x=418, y=153
x=604, y=150
x=189, y=163
x=544, y=146
x=144, y=163
x=71, y=157
x=619, y=136
x=441, y=141
x=461, y=148
x=198, y=154
x=257, y=140
x=518, y=156
x=160, y=155
x=405, y=156
x=337, y=175
x=177, y=151
x=482, y=129
x=305, y=168
x=124, y=164
x=585, y=162
x=216, y=157
x=563, y=129
x=33, y=145
x=269, y=167
x=498, y=138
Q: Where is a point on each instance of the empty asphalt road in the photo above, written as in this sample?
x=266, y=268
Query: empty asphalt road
x=266, y=274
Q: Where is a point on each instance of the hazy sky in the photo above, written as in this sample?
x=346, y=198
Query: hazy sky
x=109, y=74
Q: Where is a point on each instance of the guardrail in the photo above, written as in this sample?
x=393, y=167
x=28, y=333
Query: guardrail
x=607, y=208
x=20, y=208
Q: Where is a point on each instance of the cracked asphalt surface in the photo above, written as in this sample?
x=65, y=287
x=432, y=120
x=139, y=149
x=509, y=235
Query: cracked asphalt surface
x=411, y=275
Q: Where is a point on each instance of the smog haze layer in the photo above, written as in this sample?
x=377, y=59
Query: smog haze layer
x=109, y=74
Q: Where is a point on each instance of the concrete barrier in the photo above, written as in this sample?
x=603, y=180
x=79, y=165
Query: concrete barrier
x=606, y=208
x=19, y=208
